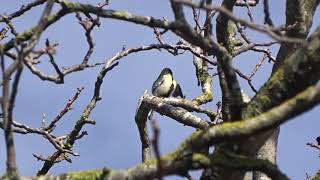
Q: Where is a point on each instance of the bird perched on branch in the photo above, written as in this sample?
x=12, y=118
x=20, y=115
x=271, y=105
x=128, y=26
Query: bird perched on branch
x=166, y=86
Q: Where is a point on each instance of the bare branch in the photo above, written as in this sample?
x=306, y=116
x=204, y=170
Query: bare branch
x=84, y=119
x=66, y=109
x=23, y=9
x=155, y=143
x=272, y=32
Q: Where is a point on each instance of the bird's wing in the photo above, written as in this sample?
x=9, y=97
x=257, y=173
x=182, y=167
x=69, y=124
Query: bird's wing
x=177, y=91
x=156, y=84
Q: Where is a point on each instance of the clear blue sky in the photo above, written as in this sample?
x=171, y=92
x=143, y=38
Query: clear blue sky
x=114, y=140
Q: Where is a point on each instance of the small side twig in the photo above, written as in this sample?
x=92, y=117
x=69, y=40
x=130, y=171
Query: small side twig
x=40, y=157
x=52, y=125
x=316, y=146
x=50, y=51
x=256, y=68
x=248, y=80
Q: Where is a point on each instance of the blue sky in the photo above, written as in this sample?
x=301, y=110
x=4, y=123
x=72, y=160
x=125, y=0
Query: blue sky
x=114, y=140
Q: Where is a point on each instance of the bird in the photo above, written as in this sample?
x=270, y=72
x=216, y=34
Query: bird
x=165, y=86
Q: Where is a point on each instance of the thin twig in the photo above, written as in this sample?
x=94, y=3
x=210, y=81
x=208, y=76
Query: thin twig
x=155, y=143
x=66, y=109
x=23, y=9
x=267, y=18
x=256, y=68
x=313, y=145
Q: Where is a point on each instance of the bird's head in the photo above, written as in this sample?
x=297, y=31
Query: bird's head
x=166, y=71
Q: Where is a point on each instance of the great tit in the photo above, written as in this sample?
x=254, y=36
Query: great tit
x=165, y=86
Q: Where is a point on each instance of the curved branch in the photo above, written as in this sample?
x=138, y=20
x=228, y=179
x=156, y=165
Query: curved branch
x=174, y=166
x=181, y=115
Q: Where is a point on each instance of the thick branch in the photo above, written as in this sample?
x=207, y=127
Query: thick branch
x=174, y=165
x=231, y=91
x=300, y=13
x=181, y=115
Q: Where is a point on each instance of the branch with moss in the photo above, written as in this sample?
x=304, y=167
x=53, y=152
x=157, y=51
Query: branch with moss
x=178, y=109
x=231, y=131
x=179, y=114
x=173, y=164
x=204, y=79
x=239, y=130
x=180, y=28
x=288, y=80
x=299, y=12
x=186, y=157
x=202, y=69
x=231, y=92
x=290, y=74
